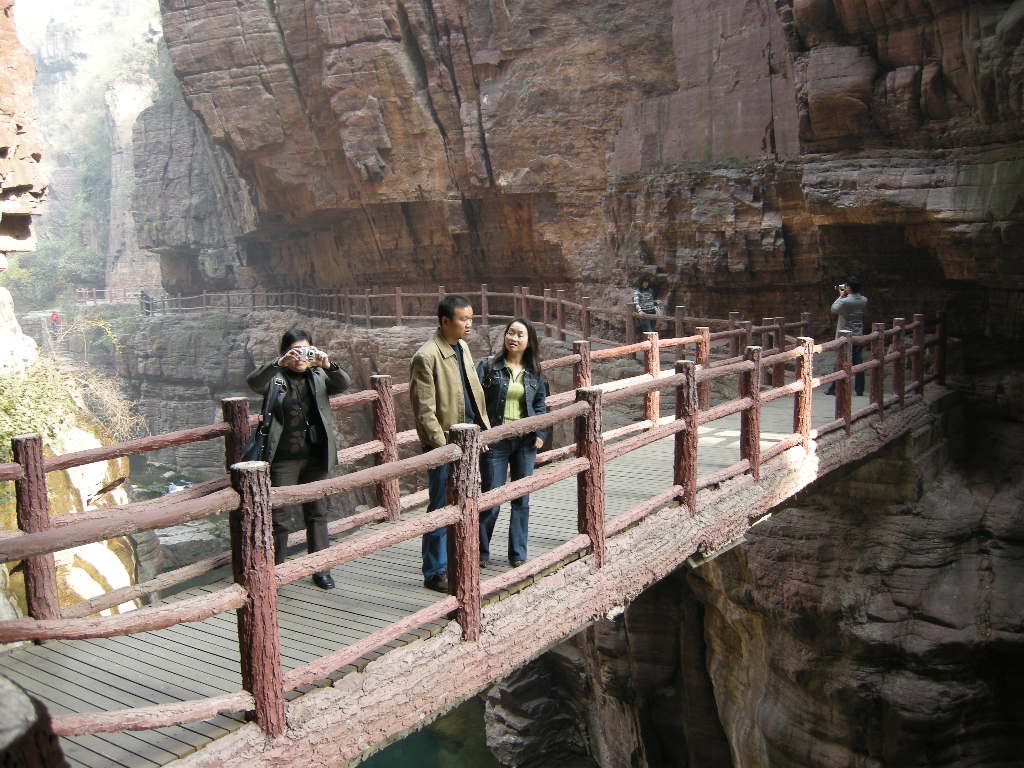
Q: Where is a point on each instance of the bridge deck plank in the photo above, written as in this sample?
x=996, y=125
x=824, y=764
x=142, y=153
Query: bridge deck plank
x=201, y=658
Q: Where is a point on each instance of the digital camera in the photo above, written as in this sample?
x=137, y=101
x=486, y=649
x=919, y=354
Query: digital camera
x=841, y=287
x=307, y=353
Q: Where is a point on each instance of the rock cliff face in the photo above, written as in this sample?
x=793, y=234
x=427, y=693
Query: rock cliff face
x=748, y=154
x=22, y=183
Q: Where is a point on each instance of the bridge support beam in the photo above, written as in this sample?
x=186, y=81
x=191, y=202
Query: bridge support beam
x=463, y=491
x=252, y=561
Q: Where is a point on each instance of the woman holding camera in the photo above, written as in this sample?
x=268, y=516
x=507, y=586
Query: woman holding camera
x=301, y=441
x=514, y=388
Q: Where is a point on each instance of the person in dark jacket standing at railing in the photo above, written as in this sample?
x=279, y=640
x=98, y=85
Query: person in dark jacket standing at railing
x=301, y=444
x=444, y=390
x=514, y=388
x=644, y=301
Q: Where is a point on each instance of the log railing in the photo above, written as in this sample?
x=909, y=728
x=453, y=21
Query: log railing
x=246, y=494
x=557, y=315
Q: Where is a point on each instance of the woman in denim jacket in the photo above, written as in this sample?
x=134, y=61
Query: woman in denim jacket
x=514, y=388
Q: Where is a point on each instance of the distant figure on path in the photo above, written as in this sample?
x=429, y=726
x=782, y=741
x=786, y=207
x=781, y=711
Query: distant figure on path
x=146, y=303
x=849, y=312
x=302, y=444
x=515, y=388
x=644, y=301
x=444, y=390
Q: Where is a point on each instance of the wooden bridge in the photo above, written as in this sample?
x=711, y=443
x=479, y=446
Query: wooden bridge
x=329, y=677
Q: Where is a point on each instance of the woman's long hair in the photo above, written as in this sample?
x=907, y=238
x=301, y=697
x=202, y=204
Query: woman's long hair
x=531, y=357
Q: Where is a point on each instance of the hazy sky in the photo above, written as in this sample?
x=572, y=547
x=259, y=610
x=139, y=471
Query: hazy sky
x=89, y=18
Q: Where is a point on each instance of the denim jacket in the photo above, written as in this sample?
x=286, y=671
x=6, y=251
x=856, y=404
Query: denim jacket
x=494, y=378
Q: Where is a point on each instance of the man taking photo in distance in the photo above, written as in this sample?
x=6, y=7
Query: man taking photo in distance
x=849, y=312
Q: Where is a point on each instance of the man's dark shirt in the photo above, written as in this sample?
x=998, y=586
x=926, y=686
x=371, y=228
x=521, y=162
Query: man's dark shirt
x=467, y=397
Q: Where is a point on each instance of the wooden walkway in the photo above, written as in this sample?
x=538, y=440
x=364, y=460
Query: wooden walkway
x=201, y=659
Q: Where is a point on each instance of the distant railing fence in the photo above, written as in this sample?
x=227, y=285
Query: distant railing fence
x=245, y=492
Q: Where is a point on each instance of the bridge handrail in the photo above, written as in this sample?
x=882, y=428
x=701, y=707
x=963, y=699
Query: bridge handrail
x=251, y=497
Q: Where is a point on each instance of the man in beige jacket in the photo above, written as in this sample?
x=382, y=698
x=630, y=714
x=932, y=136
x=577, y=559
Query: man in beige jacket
x=444, y=390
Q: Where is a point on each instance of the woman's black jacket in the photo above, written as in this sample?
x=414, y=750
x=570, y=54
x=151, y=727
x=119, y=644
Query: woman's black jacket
x=494, y=378
x=326, y=382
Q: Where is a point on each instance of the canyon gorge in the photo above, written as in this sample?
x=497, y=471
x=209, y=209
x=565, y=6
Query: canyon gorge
x=744, y=154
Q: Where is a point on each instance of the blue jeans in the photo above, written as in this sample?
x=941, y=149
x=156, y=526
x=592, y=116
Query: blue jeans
x=856, y=358
x=520, y=455
x=435, y=544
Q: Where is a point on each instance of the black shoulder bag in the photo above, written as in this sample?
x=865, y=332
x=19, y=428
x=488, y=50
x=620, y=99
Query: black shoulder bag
x=258, y=447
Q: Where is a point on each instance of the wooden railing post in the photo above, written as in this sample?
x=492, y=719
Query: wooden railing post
x=704, y=360
x=734, y=341
x=941, y=330
x=385, y=429
x=747, y=339
x=463, y=491
x=779, y=369
x=844, y=387
x=652, y=367
x=878, y=372
x=525, y=289
x=560, y=313
x=440, y=293
x=546, y=314
x=485, y=311
x=235, y=411
x=581, y=371
x=803, y=403
x=590, y=483
x=680, y=321
x=515, y=301
x=348, y=307
x=899, y=372
x=33, y=512
x=204, y=299
x=252, y=561
x=917, y=361
x=585, y=317
x=398, y=305
x=227, y=301
x=805, y=323
x=685, y=460
x=366, y=308
x=750, y=419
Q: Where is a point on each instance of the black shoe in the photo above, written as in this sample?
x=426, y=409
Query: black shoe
x=516, y=563
x=438, y=582
x=324, y=580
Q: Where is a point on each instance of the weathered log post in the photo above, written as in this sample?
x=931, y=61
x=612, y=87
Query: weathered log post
x=899, y=371
x=767, y=337
x=652, y=367
x=585, y=317
x=252, y=562
x=515, y=301
x=805, y=323
x=750, y=419
x=802, y=403
x=687, y=408
x=590, y=482
x=227, y=301
x=463, y=491
x=33, y=512
x=581, y=371
x=704, y=360
x=560, y=313
x=747, y=339
x=842, y=386
x=734, y=340
x=235, y=411
x=398, y=306
x=366, y=307
x=440, y=293
x=526, y=301
x=546, y=314
x=680, y=321
x=485, y=310
x=917, y=361
x=348, y=307
x=385, y=429
x=779, y=369
x=204, y=299
x=878, y=372
x=941, y=329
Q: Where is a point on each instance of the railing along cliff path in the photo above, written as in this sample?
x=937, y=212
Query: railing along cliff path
x=896, y=368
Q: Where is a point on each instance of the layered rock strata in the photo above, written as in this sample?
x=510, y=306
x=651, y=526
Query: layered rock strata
x=748, y=155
